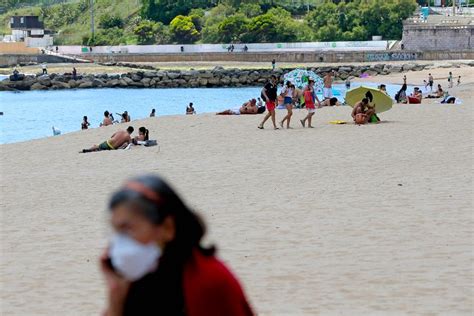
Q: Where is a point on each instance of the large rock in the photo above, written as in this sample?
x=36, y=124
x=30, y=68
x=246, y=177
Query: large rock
x=146, y=82
x=345, y=69
x=38, y=86
x=127, y=80
x=203, y=81
x=136, y=78
x=45, y=81
x=97, y=83
x=396, y=68
x=112, y=83
x=174, y=75
x=150, y=74
x=60, y=85
x=85, y=85
x=123, y=83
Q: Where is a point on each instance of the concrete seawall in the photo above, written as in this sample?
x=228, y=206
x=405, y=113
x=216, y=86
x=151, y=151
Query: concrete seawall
x=290, y=57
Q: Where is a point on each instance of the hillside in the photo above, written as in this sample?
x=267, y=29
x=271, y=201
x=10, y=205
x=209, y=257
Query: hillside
x=210, y=21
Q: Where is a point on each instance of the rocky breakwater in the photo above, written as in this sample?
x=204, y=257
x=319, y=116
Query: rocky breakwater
x=217, y=77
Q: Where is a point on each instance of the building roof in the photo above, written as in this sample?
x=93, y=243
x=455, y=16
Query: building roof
x=25, y=22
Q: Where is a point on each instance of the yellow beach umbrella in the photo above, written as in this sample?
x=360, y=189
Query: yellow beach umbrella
x=377, y=98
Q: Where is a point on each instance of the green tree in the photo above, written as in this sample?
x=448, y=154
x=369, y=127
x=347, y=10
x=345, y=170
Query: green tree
x=146, y=31
x=108, y=21
x=250, y=10
x=233, y=29
x=183, y=30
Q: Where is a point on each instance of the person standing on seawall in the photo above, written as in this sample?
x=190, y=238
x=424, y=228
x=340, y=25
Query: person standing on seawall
x=269, y=95
x=155, y=263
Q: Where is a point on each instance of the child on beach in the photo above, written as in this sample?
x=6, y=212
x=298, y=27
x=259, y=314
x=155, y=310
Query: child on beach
x=459, y=80
x=309, y=102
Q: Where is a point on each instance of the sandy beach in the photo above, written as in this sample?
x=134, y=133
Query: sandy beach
x=338, y=220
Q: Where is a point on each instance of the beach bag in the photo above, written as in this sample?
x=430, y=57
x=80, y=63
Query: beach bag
x=261, y=109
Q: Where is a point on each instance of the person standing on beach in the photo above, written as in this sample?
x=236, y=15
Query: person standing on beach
x=107, y=120
x=269, y=95
x=430, y=82
x=288, y=93
x=273, y=64
x=44, y=68
x=85, y=123
x=156, y=264
x=450, y=80
x=459, y=80
x=327, y=90
x=152, y=114
x=74, y=73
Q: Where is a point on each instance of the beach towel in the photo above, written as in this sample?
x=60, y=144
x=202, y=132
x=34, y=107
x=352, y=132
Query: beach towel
x=337, y=122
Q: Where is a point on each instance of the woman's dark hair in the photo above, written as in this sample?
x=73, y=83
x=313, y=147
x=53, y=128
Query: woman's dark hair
x=189, y=228
x=144, y=131
x=154, y=199
x=85, y=118
x=106, y=113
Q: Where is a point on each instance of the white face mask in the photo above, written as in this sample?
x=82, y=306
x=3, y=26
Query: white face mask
x=132, y=259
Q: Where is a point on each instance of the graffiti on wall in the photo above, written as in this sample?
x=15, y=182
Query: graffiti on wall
x=394, y=56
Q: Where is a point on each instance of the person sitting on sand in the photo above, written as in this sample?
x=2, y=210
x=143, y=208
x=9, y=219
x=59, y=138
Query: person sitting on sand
x=119, y=139
x=85, y=123
x=383, y=88
x=438, y=94
x=415, y=97
x=107, y=120
x=362, y=112
x=246, y=108
x=401, y=95
x=143, y=135
x=330, y=102
x=125, y=117
x=190, y=109
x=449, y=99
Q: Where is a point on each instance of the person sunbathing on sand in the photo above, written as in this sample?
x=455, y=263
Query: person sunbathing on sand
x=119, y=139
x=143, y=135
x=249, y=107
x=438, y=94
x=330, y=102
x=362, y=112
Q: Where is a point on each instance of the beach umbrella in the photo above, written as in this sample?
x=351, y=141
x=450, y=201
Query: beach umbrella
x=377, y=98
x=300, y=78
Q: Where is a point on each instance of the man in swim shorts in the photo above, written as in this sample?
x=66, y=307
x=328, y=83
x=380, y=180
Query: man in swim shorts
x=362, y=112
x=269, y=95
x=118, y=140
x=246, y=108
x=327, y=90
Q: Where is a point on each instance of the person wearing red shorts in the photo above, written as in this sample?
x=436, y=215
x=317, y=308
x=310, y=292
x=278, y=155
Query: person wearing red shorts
x=269, y=94
x=309, y=103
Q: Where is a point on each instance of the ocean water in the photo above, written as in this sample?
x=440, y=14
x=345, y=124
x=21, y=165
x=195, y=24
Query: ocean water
x=32, y=114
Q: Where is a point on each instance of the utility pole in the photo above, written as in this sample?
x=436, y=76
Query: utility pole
x=454, y=7
x=91, y=3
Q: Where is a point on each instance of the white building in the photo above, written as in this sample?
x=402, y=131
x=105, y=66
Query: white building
x=29, y=29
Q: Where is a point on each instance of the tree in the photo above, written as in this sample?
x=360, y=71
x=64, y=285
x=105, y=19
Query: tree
x=145, y=32
x=233, y=29
x=108, y=21
x=183, y=30
x=250, y=10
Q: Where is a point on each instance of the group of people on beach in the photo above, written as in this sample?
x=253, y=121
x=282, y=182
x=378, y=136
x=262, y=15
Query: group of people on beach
x=290, y=97
x=417, y=96
x=121, y=139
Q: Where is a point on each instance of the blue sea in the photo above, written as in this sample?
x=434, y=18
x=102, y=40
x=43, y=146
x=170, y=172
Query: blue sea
x=36, y=112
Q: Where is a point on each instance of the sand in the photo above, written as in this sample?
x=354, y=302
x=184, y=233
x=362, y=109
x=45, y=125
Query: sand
x=342, y=219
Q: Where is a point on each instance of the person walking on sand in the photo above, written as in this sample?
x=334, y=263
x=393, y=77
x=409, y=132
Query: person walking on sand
x=327, y=90
x=107, y=120
x=85, y=123
x=288, y=93
x=309, y=103
x=450, y=80
x=118, y=140
x=273, y=64
x=459, y=80
x=269, y=95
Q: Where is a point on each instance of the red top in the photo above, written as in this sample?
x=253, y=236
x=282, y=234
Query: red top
x=308, y=99
x=210, y=289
